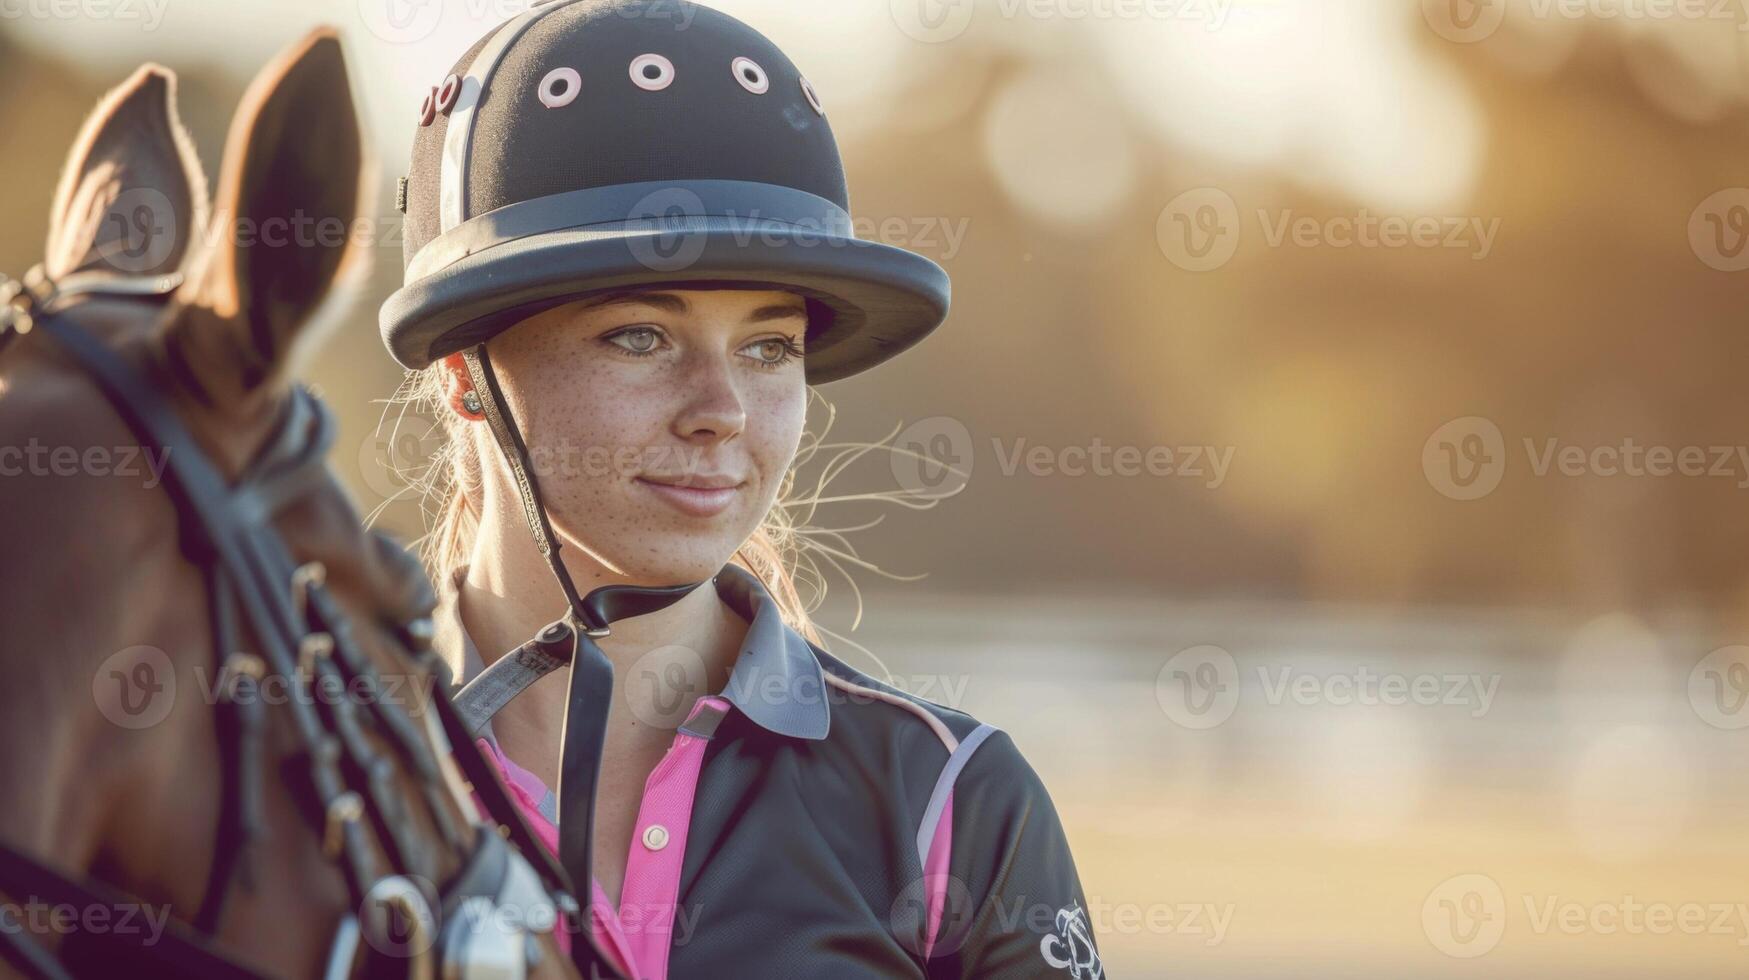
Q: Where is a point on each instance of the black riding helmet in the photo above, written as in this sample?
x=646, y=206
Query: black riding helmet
x=595, y=145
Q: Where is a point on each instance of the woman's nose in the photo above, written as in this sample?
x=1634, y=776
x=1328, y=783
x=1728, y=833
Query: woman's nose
x=713, y=404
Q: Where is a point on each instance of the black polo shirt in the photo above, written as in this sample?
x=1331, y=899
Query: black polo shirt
x=812, y=821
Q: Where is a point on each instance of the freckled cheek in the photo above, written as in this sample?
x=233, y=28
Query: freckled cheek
x=775, y=422
x=614, y=426
x=586, y=413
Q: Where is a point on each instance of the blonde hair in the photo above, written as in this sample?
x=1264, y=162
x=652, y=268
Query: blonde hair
x=785, y=552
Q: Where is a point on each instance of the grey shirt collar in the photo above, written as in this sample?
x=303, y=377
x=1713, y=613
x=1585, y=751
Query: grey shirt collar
x=777, y=680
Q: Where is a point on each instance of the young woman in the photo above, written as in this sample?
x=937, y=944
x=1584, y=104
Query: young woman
x=629, y=255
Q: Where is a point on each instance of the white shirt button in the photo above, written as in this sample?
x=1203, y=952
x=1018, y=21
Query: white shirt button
x=655, y=837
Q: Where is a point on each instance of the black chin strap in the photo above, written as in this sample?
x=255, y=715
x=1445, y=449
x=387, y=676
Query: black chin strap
x=568, y=641
x=516, y=455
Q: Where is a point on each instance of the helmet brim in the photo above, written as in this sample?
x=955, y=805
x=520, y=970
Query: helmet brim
x=882, y=299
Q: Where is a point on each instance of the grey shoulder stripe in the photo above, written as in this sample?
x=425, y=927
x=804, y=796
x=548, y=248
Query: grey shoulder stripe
x=935, y=724
x=944, y=785
x=459, y=137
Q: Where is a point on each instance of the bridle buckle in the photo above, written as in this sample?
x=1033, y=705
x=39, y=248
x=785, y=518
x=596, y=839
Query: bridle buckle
x=18, y=305
x=241, y=667
x=343, y=810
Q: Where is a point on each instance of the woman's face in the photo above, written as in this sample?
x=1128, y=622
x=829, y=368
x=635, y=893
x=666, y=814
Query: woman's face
x=660, y=425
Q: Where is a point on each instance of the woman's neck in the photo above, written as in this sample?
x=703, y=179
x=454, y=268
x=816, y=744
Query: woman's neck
x=509, y=594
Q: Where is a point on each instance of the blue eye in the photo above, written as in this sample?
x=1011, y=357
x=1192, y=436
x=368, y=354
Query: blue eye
x=648, y=338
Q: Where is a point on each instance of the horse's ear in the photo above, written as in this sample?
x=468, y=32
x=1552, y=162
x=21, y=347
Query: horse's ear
x=133, y=194
x=289, y=195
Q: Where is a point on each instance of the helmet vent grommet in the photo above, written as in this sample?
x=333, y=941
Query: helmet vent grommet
x=560, y=88
x=652, y=72
x=448, y=93
x=752, y=77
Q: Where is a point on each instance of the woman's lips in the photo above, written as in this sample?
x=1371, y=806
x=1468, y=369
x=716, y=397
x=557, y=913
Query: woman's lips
x=696, y=501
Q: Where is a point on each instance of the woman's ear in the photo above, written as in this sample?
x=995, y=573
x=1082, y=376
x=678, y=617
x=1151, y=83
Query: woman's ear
x=459, y=385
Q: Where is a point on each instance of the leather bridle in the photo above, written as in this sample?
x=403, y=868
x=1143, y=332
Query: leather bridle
x=302, y=639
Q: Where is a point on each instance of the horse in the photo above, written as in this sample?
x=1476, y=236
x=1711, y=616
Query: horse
x=225, y=748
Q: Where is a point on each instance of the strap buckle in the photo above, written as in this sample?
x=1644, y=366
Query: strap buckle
x=17, y=306
x=342, y=811
x=241, y=669
x=575, y=622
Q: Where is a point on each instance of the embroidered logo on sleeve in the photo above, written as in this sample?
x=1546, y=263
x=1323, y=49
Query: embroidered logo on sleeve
x=1071, y=946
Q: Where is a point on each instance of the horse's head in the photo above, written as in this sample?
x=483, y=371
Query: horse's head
x=129, y=662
